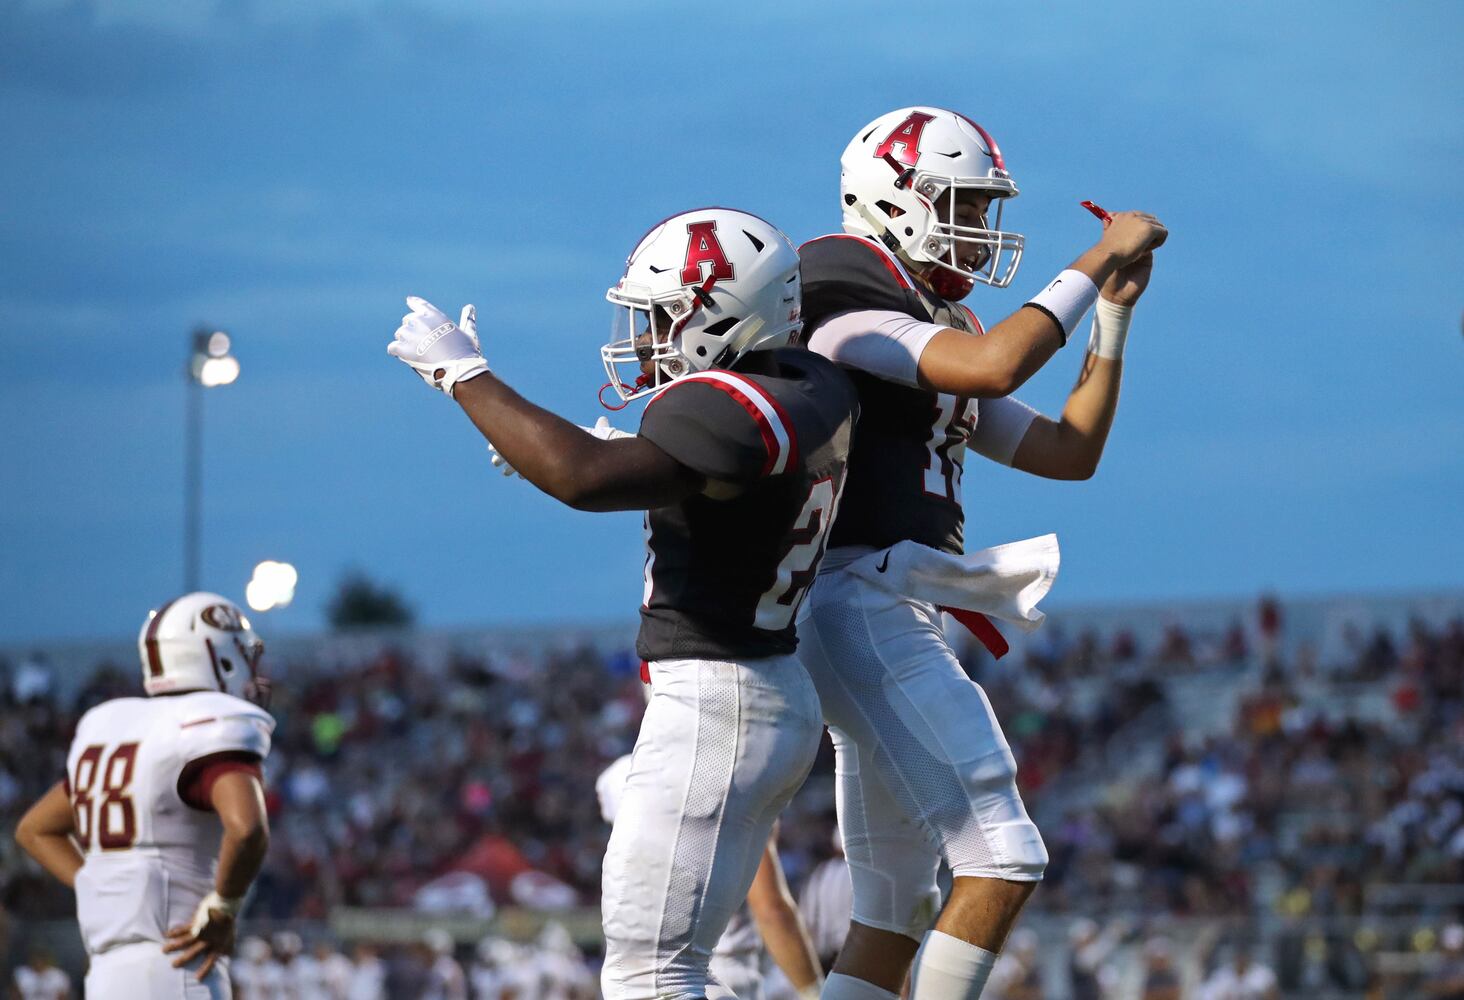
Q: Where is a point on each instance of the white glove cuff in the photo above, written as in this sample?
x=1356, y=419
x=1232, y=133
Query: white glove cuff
x=460, y=371
x=213, y=901
x=1066, y=299
x=1110, y=329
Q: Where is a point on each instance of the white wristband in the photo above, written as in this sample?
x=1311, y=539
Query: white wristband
x=213, y=901
x=1066, y=299
x=1110, y=329
x=811, y=991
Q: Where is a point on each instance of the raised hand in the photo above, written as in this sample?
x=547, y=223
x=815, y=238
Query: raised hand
x=442, y=352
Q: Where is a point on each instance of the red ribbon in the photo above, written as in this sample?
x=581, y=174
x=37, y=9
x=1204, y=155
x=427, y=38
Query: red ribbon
x=980, y=626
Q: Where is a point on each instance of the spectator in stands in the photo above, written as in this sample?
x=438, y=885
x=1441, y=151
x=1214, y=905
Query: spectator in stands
x=368, y=975
x=1016, y=975
x=1091, y=975
x=1161, y=979
x=445, y=979
x=1268, y=624
x=1447, y=980
x=1240, y=978
x=39, y=979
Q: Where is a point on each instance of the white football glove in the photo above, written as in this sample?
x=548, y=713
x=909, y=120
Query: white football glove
x=442, y=352
x=601, y=430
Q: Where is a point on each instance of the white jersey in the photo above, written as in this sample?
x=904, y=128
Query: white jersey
x=149, y=856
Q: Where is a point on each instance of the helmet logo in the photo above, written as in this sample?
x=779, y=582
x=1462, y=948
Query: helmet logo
x=906, y=136
x=223, y=616
x=703, y=247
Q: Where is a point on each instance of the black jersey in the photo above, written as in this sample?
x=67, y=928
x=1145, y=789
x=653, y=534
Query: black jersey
x=905, y=470
x=723, y=578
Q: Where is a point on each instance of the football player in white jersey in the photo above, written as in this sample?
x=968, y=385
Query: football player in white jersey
x=159, y=824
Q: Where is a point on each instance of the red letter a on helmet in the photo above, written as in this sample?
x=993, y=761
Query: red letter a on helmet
x=906, y=136
x=703, y=247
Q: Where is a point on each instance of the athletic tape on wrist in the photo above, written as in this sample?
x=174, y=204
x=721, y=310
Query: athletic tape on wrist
x=213, y=901
x=1066, y=299
x=1110, y=329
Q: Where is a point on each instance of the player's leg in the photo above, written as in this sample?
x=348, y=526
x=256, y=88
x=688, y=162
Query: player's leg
x=721, y=750
x=883, y=666
x=892, y=870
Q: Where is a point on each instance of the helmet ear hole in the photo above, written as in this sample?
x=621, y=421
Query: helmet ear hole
x=701, y=352
x=849, y=200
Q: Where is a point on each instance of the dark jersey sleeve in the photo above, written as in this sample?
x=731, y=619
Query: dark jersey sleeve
x=705, y=427
x=841, y=273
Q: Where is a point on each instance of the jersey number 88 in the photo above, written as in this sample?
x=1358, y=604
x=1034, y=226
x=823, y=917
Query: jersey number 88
x=113, y=803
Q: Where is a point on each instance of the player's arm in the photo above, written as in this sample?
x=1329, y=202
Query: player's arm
x=776, y=914
x=1016, y=348
x=44, y=832
x=1071, y=447
x=238, y=798
x=571, y=465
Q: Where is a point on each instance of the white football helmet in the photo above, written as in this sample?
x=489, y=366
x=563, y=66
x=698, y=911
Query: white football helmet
x=700, y=290
x=201, y=642
x=908, y=161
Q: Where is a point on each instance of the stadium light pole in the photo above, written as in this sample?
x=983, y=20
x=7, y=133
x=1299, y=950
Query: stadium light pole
x=209, y=365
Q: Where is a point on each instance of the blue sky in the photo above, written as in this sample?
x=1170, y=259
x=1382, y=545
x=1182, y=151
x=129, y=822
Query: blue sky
x=1293, y=410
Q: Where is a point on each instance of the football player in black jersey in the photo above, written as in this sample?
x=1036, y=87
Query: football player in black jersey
x=924, y=770
x=739, y=463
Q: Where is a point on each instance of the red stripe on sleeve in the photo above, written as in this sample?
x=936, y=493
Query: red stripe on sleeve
x=787, y=425
x=764, y=428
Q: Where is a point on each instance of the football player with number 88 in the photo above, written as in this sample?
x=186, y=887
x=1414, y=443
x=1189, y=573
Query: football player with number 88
x=160, y=824
x=924, y=771
x=738, y=462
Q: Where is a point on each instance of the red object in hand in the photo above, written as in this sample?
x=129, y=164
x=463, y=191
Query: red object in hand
x=1097, y=211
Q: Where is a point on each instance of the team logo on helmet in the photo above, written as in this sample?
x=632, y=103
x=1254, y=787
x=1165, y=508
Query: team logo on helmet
x=224, y=617
x=703, y=247
x=905, y=138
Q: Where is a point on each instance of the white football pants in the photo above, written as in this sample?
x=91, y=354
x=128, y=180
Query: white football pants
x=722, y=748
x=141, y=970
x=923, y=770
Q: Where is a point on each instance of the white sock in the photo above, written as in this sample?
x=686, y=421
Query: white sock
x=947, y=968
x=841, y=987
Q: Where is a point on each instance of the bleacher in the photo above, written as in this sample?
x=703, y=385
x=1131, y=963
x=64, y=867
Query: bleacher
x=1202, y=773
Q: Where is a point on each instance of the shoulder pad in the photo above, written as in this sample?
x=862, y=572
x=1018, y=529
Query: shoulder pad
x=843, y=273
x=221, y=723
x=723, y=425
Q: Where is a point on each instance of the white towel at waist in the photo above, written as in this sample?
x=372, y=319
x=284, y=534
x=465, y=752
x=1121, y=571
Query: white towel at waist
x=1004, y=581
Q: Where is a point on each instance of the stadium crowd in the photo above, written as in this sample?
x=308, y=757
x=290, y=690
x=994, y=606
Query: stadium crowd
x=472, y=788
